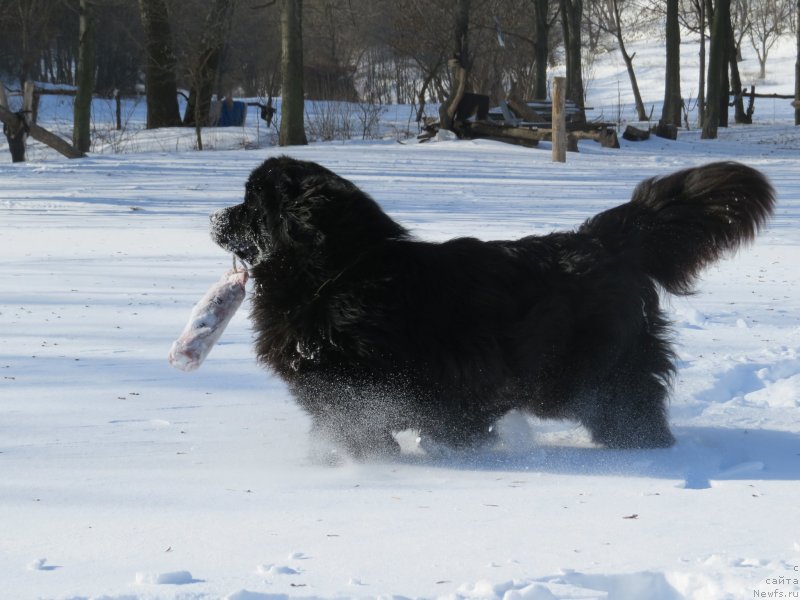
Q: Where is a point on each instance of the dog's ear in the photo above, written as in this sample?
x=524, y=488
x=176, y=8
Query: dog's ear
x=300, y=203
x=286, y=186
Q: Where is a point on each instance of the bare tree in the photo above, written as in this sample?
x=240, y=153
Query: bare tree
x=768, y=21
x=740, y=115
x=253, y=54
x=27, y=24
x=692, y=15
x=609, y=16
x=160, y=78
x=333, y=53
x=119, y=40
x=541, y=46
x=740, y=23
x=571, y=20
x=207, y=60
x=413, y=29
x=717, y=71
x=673, y=102
x=292, y=131
x=797, y=68
x=459, y=64
x=82, y=111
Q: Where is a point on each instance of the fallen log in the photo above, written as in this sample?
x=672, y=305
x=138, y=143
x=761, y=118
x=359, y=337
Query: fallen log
x=667, y=131
x=605, y=135
x=608, y=137
x=634, y=134
x=522, y=136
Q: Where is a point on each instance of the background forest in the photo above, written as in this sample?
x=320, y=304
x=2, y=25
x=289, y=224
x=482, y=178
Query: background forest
x=375, y=52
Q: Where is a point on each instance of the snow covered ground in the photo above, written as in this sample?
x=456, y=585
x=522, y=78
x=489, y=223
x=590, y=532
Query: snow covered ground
x=121, y=478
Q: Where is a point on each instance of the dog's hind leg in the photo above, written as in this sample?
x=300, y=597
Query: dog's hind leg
x=634, y=418
x=463, y=430
x=628, y=409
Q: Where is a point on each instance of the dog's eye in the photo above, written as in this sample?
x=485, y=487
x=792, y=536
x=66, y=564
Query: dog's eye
x=252, y=189
x=250, y=200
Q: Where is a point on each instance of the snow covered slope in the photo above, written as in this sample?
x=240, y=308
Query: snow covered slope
x=121, y=478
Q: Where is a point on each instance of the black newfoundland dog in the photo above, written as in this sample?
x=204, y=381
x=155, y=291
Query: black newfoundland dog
x=377, y=332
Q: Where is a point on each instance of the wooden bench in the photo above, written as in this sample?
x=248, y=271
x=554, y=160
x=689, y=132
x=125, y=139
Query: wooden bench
x=533, y=120
x=504, y=123
x=536, y=113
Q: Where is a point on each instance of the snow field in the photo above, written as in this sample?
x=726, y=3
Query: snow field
x=122, y=478
x=134, y=480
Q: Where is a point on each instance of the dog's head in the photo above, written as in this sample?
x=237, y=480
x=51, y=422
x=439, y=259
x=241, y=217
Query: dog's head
x=293, y=204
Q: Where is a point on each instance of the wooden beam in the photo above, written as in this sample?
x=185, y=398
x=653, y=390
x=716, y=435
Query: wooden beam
x=514, y=135
x=778, y=96
x=523, y=110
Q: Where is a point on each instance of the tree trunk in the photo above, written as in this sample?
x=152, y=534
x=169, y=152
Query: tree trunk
x=617, y=24
x=717, y=64
x=701, y=89
x=724, y=73
x=571, y=17
x=208, y=60
x=762, y=66
x=673, y=102
x=162, y=86
x=292, y=98
x=797, y=71
x=540, y=48
x=641, y=113
x=82, y=113
x=423, y=93
x=459, y=66
x=739, y=114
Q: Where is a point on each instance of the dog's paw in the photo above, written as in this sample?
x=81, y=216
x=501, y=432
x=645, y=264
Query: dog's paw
x=435, y=449
x=333, y=447
x=326, y=457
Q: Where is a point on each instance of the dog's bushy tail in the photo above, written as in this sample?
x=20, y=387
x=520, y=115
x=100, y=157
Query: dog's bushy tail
x=677, y=224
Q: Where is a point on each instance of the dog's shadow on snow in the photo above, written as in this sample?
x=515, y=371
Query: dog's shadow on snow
x=702, y=455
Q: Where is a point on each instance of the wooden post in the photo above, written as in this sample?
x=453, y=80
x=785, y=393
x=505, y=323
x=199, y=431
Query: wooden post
x=118, y=103
x=797, y=70
x=559, y=120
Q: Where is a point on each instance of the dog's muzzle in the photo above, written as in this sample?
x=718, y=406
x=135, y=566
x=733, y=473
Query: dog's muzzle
x=226, y=231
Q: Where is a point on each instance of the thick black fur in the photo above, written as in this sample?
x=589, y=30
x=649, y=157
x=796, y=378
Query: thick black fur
x=376, y=332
